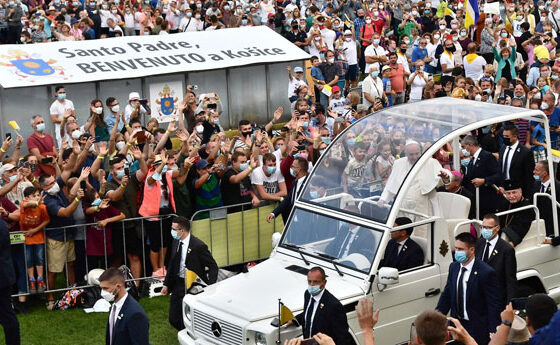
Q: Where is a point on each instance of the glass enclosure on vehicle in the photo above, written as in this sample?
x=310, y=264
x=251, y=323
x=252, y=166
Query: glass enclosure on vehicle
x=370, y=171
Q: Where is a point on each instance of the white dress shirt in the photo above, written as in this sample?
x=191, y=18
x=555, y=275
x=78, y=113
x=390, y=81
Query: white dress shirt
x=118, y=305
x=184, y=250
x=317, y=298
x=466, y=276
x=352, y=233
x=545, y=184
x=401, y=245
x=491, y=248
x=507, y=166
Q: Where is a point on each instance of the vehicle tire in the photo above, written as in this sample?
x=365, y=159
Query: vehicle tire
x=525, y=290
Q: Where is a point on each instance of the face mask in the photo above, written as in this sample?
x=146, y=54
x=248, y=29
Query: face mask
x=351, y=142
x=197, y=16
x=216, y=121
x=461, y=257
x=292, y=172
x=331, y=60
x=13, y=178
x=348, y=39
x=198, y=5
x=115, y=108
x=226, y=8
x=368, y=21
x=98, y=110
x=96, y=202
x=486, y=233
x=243, y=166
x=189, y=14
x=326, y=140
x=313, y=194
x=270, y=170
x=374, y=74
x=455, y=38
x=61, y=96
x=544, y=106
x=504, y=34
x=40, y=127
x=120, y=145
x=454, y=26
x=104, y=7
x=436, y=37
x=427, y=11
x=244, y=21
x=314, y=290
x=376, y=13
x=174, y=234
x=120, y=174
x=76, y=134
x=451, y=49
x=305, y=125
x=415, y=13
x=465, y=162
x=442, y=27
x=54, y=189
x=478, y=98
x=465, y=152
x=114, y=11
x=463, y=34
x=537, y=177
x=507, y=141
x=199, y=129
x=109, y=297
x=375, y=42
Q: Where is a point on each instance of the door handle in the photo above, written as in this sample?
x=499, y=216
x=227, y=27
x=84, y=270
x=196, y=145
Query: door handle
x=432, y=292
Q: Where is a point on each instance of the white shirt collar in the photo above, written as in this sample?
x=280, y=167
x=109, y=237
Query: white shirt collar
x=514, y=146
x=469, y=266
x=120, y=302
x=493, y=241
x=477, y=153
x=186, y=240
x=318, y=296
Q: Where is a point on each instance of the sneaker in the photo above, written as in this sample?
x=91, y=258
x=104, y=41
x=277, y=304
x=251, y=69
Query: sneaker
x=41, y=286
x=32, y=286
x=50, y=305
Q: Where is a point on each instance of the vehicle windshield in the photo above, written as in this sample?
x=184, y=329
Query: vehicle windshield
x=367, y=164
x=347, y=244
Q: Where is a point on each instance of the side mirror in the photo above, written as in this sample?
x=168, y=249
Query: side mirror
x=387, y=276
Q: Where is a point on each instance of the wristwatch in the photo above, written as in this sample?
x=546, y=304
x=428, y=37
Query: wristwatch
x=506, y=323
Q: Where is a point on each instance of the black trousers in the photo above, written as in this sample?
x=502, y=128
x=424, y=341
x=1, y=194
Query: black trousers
x=8, y=317
x=176, y=305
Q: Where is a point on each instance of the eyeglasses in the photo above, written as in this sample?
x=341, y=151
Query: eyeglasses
x=485, y=79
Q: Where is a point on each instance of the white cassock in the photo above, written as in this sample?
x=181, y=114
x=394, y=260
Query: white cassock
x=421, y=193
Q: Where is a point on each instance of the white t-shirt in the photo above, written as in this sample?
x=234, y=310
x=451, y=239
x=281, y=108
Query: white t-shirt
x=474, y=69
x=373, y=87
x=350, y=53
x=328, y=37
x=270, y=183
x=417, y=87
x=444, y=59
x=293, y=84
x=337, y=105
x=374, y=51
x=191, y=24
x=58, y=108
x=401, y=59
x=265, y=9
x=129, y=21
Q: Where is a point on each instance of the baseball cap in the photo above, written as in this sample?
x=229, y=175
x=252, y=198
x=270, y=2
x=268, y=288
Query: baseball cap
x=270, y=15
x=298, y=70
x=133, y=96
x=335, y=89
x=73, y=21
x=348, y=32
x=385, y=68
x=5, y=168
x=201, y=164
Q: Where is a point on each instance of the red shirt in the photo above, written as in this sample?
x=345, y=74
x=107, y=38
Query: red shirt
x=379, y=24
x=95, y=238
x=397, y=78
x=45, y=145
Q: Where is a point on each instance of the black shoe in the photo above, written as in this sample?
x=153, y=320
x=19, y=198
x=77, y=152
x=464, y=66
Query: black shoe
x=21, y=307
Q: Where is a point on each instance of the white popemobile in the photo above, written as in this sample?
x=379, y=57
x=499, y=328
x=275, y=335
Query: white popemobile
x=239, y=310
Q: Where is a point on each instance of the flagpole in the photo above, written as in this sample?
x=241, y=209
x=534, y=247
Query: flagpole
x=279, y=318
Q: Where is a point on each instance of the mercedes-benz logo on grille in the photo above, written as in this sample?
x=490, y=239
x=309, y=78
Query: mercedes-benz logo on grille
x=216, y=329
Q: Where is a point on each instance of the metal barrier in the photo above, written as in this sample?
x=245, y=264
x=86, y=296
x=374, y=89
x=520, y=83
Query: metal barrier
x=18, y=238
x=236, y=234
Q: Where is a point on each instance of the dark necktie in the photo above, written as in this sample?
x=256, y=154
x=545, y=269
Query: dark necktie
x=112, y=323
x=505, y=167
x=469, y=167
x=344, y=244
x=460, y=310
x=178, y=255
x=487, y=252
x=308, y=318
x=542, y=188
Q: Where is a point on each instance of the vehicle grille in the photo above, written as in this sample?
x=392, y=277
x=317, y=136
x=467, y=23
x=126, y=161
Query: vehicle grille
x=231, y=334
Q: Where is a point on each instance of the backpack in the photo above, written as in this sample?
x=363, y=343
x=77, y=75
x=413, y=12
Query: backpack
x=78, y=297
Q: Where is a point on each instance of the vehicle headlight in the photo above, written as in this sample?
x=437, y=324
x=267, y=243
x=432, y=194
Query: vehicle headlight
x=260, y=338
x=187, y=310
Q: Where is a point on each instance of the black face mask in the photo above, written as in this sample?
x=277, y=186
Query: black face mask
x=450, y=49
x=441, y=93
x=361, y=17
x=246, y=134
x=294, y=27
x=507, y=141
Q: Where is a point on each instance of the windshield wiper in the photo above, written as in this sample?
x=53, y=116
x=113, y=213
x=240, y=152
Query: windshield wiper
x=298, y=250
x=332, y=258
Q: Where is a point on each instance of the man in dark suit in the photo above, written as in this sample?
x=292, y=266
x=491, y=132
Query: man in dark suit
x=188, y=253
x=128, y=323
x=471, y=293
x=402, y=252
x=515, y=225
x=455, y=186
x=8, y=317
x=516, y=161
x=482, y=171
x=544, y=204
x=299, y=172
x=322, y=312
x=500, y=255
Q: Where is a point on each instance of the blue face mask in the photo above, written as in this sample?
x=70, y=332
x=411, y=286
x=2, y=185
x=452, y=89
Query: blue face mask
x=374, y=74
x=305, y=125
x=277, y=147
x=461, y=257
x=314, y=290
x=292, y=172
x=326, y=140
x=313, y=194
x=174, y=234
x=96, y=202
x=487, y=233
x=465, y=162
x=164, y=170
x=120, y=174
x=243, y=166
x=13, y=178
x=40, y=127
x=537, y=177
x=351, y=142
x=271, y=170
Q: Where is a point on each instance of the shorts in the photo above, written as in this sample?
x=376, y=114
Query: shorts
x=131, y=242
x=352, y=73
x=35, y=255
x=58, y=252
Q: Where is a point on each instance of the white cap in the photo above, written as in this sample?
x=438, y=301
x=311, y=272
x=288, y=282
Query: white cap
x=348, y=32
x=6, y=167
x=133, y=96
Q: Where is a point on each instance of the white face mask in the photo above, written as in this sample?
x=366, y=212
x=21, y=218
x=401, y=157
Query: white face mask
x=199, y=129
x=109, y=297
x=436, y=37
x=54, y=189
x=120, y=145
x=98, y=110
x=76, y=134
x=331, y=60
x=115, y=108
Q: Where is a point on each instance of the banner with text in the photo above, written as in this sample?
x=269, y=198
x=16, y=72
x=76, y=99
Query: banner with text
x=138, y=56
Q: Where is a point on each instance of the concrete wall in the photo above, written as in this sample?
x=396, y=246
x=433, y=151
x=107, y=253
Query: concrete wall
x=251, y=93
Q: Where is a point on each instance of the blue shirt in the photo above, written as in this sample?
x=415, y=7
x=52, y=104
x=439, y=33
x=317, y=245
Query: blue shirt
x=358, y=23
x=418, y=54
x=549, y=334
x=110, y=120
x=554, y=120
x=316, y=73
x=539, y=134
x=54, y=203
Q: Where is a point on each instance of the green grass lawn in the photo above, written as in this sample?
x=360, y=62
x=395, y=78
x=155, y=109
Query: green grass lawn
x=43, y=327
